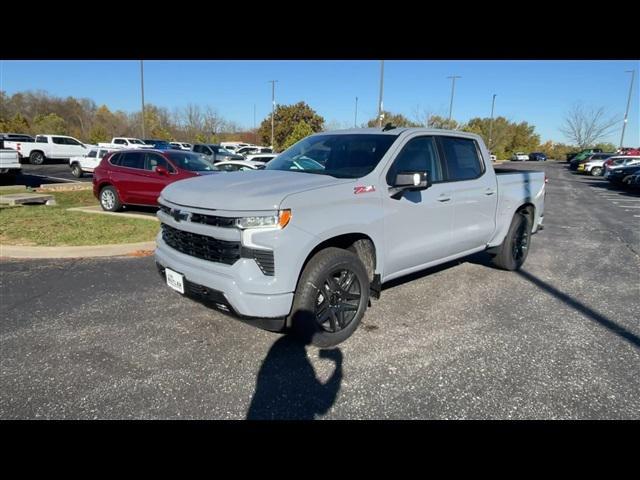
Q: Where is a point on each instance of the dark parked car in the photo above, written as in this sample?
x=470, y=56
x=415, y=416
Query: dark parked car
x=583, y=154
x=618, y=176
x=537, y=157
x=576, y=162
x=158, y=144
x=215, y=153
x=136, y=177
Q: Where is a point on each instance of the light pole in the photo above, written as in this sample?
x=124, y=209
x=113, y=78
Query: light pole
x=493, y=103
x=380, y=109
x=142, y=90
x=255, y=132
x=273, y=107
x=624, y=125
x=453, y=88
x=355, y=120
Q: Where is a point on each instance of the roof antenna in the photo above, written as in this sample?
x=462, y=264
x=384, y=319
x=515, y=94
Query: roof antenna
x=388, y=126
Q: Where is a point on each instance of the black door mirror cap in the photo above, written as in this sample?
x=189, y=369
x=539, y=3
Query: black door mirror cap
x=410, y=181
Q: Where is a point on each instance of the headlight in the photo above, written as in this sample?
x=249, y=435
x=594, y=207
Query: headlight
x=280, y=220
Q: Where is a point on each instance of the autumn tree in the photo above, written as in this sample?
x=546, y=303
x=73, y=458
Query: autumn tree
x=286, y=118
x=50, y=124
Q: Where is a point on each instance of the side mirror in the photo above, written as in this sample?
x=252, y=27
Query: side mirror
x=410, y=181
x=160, y=170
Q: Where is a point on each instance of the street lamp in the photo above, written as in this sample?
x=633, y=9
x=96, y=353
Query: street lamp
x=493, y=103
x=380, y=109
x=624, y=125
x=355, y=120
x=142, y=90
x=273, y=106
x=453, y=88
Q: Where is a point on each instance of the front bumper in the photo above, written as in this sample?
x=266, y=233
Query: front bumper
x=227, y=280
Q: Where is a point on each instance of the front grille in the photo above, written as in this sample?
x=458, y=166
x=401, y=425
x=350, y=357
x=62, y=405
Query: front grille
x=214, y=220
x=201, y=246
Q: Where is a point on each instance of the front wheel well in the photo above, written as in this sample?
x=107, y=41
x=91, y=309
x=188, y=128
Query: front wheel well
x=358, y=243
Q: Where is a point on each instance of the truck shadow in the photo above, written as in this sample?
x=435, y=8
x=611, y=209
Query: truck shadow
x=287, y=387
x=484, y=259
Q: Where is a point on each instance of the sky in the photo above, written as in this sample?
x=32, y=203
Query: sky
x=539, y=92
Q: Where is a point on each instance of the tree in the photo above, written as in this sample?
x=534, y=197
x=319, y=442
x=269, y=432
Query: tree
x=436, y=121
x=49, y=124
x=586, y=126
x=300, y=131
x=395, y=119
x=17, y=124
x=286, y=118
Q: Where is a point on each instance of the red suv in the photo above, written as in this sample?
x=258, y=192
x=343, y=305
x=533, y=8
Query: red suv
x=137, y=177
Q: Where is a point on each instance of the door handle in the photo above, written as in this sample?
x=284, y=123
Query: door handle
x=443, y=198
x=489, y=191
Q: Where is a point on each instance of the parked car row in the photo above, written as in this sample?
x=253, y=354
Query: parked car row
x=618, y=169
x=524, y=157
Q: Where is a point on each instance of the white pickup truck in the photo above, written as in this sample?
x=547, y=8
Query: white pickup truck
x=125, y=142
x=304, y=242
x=9, y=162
x=88, y=162
x=49, y=147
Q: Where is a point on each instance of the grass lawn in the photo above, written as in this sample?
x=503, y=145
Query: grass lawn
x=55, y=226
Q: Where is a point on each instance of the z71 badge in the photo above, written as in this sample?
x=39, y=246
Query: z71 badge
x=362, y=189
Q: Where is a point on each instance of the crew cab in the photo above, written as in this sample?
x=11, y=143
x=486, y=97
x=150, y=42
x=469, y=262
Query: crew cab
x=302, y=244
x=215, y=153
x=49, y=147
x=87, y=162
x=125, y=142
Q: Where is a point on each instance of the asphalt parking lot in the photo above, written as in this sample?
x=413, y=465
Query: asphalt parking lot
x=89, y=338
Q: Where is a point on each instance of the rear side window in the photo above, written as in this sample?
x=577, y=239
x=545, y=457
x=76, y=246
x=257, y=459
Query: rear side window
x=418, y=154
x=197, y=149
x=115, y=159
x=462, y=158
x=41, y=140
x=132, y=160
x=92, y=154
x=119, y=141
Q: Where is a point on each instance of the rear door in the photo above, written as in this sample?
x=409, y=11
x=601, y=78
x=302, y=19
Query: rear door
x=129, y=177
x=475, y=193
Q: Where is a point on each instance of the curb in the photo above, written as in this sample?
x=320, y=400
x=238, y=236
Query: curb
x=140, y=249
x=97, y=210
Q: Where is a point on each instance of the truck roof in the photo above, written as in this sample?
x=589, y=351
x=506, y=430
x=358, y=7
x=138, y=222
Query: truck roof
x=397, y=131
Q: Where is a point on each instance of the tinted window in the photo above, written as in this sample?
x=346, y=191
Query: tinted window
x=102, y=153
x=71, y=141
x=119, y=141
x=132, y=160
x=341, y=156
x=41, y=139
x=418, y=155
x=59, y=140
x=462, y=159
x=92, y=154
x=115, y=159
x=153, y=161
x=190, y=161
x=229, y=167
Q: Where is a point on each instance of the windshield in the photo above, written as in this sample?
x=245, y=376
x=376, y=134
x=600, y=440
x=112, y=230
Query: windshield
x=341, y=156
x=191, y=161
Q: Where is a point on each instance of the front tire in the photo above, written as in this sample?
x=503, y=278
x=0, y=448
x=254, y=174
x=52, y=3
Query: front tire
x=513, y=252
x=331, y=298
x=109, y=199
x=596, y=171
x=76, y=171
x=36, y=158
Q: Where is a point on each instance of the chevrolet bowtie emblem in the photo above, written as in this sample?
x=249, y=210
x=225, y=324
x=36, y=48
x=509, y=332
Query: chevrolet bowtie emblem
x=178, y=215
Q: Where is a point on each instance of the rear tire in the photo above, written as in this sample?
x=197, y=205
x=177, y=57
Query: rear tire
x=109, y=199
x=513, y=252
x=331, y=298
x=36, y=158
x=596, y=171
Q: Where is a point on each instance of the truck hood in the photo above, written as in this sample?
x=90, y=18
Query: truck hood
x=244, y=190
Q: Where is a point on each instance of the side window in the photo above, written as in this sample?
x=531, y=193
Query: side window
x=132, y=160
x=41, y=139
x=417, y=155
x=59, y=140
x=102, y=153
x=115, y=159
x=72, y=141
x=206, y=150
x=92, y=154
x=153, y=160
x=119, y=141
x=197, y=149
x=462, y=158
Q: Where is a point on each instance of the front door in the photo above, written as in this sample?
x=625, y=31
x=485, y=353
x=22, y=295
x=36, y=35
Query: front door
x=417, y=224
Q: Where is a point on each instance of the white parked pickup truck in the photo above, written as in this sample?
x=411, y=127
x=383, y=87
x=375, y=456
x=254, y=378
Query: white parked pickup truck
x=9, y=162
x=303, y=243
x=49, y=146
x=125, y=142
x=87, y=163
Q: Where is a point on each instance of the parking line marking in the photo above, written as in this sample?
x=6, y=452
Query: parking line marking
x=629, y=206
x=629, y=200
